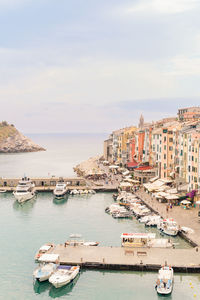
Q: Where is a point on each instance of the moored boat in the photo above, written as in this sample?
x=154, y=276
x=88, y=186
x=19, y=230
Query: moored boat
x=60, y=190
x=24, y=190
x=64, y=275
x=168, y=226
x=164, y=284
x=44, y=271
x=43, y=249
x=142, y=240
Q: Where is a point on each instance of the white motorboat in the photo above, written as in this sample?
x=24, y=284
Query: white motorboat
x=168, y=226
x=2, y=191
x=165, y=281
x=80, y=243
x=44, y=271
x=60, y=190
x=44, y=249
x=24, y=190
x=64, y=275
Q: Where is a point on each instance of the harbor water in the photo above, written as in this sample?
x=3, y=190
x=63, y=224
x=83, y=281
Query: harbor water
x=24, y=228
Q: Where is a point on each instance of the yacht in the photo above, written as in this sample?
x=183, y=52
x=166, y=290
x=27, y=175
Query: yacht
x=44, y=271
x=164, y=284
x=168, y=226
x=64, y=275
x=24, y=190
x=60, y=190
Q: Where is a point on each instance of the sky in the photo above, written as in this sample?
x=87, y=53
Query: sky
x=95, y=66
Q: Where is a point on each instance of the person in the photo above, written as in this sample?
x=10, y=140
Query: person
x=167, y=209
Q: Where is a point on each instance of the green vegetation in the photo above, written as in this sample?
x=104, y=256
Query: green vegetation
x=6, y=130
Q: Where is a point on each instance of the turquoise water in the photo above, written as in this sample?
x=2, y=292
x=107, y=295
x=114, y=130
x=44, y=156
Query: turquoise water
x=25, y=228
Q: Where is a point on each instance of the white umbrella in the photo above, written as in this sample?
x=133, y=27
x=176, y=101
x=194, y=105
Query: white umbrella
x=198, y=202
x=185, y=202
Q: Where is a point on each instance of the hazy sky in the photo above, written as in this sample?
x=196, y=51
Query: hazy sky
x=94, y=66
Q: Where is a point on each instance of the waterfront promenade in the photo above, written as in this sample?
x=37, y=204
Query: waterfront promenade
x=184, y=217
x=119, y=258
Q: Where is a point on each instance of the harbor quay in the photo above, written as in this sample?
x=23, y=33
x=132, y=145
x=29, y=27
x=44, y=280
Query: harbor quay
x=124, y=258
x=43, y=184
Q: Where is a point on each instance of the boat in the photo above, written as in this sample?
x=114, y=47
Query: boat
x=44, y=249
x=2, y=191
x=44, y=271
x=24, y=190
x=64, y=275
x=80, y=243
x=164, y=284
x=168, y=226
x=144, y=240
x=60, y=190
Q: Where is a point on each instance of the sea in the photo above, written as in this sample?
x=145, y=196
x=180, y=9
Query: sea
x=24, y=228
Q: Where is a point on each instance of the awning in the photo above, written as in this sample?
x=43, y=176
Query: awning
x=49, y=258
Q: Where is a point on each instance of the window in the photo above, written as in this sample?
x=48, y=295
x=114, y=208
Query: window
x=165, y=147
x=165, y=166
x=164, y=156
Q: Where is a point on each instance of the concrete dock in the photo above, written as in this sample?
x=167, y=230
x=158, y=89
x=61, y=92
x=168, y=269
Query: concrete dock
x=119, y=258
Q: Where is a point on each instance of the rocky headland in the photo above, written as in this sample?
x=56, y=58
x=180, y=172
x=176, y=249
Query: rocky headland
x=12, y=141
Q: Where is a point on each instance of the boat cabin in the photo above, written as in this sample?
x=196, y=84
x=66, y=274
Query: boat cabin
x=137, y=239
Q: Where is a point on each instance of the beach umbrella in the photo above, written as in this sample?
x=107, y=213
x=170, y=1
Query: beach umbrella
x=185, y=202
x=198, y=202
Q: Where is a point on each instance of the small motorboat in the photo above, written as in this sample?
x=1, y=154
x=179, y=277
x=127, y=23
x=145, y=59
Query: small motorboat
x=44, y=271
x=168, y=226
x=60, y=190
x=44, y=249
x=2, y=191
x=164, y=283
x=64, y=275
x=80, y=243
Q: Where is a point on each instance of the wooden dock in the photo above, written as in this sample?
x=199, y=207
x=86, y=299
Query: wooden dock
x=138, y=259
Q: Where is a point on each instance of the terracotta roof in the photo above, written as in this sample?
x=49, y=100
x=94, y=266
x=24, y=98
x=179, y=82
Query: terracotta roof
x=132, y=164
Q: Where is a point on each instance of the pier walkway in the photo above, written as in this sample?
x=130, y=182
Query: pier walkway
x=119, y=258
x=187, y=218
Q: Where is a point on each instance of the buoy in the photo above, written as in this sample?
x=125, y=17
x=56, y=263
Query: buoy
x=192, y=287
x=190, y=283
x=195, y=295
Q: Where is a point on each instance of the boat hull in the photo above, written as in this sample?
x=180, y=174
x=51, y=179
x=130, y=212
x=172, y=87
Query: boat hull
x=23, y=197
x=60, y=281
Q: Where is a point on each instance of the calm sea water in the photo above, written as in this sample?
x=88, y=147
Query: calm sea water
x=25, y=228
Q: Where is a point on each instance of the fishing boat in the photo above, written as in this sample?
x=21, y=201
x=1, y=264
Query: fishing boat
x=44, y=271
x=60, y=190
x=63, y=275
x=164, y=284
x=44, y=249
x=168, y=226
x=80, y=243
x=24, y=190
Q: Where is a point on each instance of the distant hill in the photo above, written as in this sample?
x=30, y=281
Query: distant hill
x=12, y=141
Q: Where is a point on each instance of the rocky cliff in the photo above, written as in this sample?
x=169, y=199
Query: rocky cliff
x=12, y=141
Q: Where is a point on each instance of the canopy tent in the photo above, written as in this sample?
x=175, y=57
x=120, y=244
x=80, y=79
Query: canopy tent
x=113, y=167
x=125, y=173
x=49, y=258
x=172, y=197
x=125, y=184
x=185, y=202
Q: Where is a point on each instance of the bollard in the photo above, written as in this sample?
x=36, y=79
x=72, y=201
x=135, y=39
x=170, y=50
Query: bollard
x=103, y=260
x=81, y=259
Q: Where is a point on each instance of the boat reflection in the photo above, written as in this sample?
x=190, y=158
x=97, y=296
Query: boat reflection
x=41, y=287
x=24, y=207
x=67, y=289
x=61, y=200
